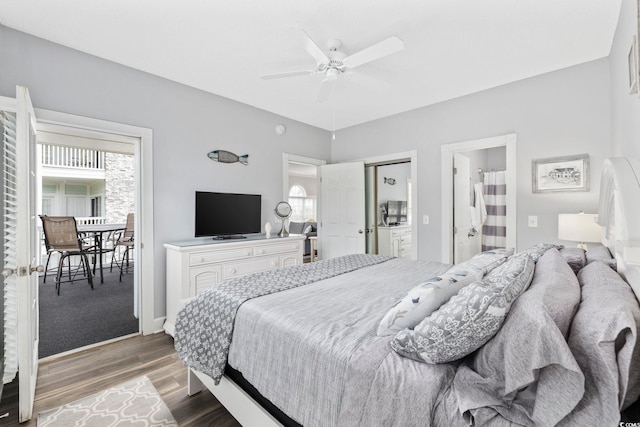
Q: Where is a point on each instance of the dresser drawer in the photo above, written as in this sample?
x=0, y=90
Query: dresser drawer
x=401, y=232
x=202, y=278
x=276, y=248
x=200, y=258
x=240, y=269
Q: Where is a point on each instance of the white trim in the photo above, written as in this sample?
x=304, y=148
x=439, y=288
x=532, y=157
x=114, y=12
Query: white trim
x=143, y=141
x=286, y=158
x=85, y=348
x=415, y=183
x=447, y=150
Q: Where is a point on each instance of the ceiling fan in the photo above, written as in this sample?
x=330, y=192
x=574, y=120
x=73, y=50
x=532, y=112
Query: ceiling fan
x=335, y=63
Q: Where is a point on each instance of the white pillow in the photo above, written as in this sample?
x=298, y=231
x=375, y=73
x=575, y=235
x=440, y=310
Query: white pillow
x=428, y=296
x=425, y=298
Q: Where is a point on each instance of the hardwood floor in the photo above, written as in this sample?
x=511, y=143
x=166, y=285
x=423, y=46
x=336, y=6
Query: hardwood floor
x=66, y=379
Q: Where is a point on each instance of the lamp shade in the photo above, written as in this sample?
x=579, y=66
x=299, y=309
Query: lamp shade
x=579, y=227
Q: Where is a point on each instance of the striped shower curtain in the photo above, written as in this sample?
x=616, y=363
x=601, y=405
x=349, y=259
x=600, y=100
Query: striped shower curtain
x=494, y=230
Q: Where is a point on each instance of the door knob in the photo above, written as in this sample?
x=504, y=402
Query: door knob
x=37, y=268
x=361, y=231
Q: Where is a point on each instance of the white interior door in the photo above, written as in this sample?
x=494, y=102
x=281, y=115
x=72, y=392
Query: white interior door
x=461, y=203
x=25, y=268
x=342, y=210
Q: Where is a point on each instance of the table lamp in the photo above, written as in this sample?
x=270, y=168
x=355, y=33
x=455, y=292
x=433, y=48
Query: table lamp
x=580, y=227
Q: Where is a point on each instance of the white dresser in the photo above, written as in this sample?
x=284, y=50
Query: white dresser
x=195, y=265
x=395, y=241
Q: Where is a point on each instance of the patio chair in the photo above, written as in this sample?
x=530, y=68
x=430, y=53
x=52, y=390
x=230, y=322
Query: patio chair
x=125, y=240
x=61, y=236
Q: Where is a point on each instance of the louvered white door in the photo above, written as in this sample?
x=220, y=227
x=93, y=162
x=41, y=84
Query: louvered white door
x=20, y=247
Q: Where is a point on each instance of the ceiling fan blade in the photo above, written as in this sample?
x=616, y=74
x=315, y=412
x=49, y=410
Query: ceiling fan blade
x=325, y=90
x=376, y=51
x=314, y=50
x=288, y=74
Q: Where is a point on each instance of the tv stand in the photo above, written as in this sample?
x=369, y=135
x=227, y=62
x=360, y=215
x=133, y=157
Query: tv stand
x=195, y=265
x=229, y=237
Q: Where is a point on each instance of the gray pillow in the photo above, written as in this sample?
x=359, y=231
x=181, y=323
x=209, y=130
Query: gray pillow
x=604, y=338
x=601, y=253
x=575, y=257
x=488, y=260
x=526, y=373
x=538, y=250
x=470, y=318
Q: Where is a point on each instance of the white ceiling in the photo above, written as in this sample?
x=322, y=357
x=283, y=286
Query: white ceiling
x=452, y=47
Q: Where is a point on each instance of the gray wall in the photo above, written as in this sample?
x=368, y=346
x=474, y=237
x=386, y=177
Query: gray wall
x=187, y=124
x=625, y=107
x=561, y=113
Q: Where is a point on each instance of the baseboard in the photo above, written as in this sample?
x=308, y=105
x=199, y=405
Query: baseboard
x=155, y=326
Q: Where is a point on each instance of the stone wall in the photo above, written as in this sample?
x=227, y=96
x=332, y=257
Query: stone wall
x=119, y=187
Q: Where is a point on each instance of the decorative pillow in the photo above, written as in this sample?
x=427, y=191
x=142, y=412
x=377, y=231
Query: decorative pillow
x=427, y=297
x=308, y=229
x=604, y=338
x=488, y=260
x=601, y=253
x=575, y=257
x=538, y=250
x=470, y=318
x=526, y=373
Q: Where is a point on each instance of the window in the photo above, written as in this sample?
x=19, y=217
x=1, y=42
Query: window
x=96, y=206
x=47, y=205
x=303, y=206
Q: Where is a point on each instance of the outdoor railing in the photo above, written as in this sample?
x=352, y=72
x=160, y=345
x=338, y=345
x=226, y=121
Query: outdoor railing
x=82, y=220
x=71, y=157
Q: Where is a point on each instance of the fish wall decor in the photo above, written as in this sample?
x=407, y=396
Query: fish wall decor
x=223, y=156
x=390, y=181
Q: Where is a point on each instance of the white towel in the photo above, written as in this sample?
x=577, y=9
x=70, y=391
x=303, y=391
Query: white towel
x=478, y=210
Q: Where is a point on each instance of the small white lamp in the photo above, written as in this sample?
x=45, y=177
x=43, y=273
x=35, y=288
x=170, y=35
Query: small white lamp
x=580, y=227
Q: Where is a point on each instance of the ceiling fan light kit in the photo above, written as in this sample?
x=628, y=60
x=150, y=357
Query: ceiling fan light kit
x=333, y=63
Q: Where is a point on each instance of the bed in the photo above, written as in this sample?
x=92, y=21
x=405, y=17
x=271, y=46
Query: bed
x=546, y=336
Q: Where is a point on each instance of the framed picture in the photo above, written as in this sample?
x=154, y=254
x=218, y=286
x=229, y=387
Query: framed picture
x=633, y=66
x=570, y=173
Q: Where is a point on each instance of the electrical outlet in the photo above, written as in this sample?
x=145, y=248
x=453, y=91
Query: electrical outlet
x=533, y=221
x=425, y=219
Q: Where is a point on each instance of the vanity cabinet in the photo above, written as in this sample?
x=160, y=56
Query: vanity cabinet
x=195, y=265
x=395, y=241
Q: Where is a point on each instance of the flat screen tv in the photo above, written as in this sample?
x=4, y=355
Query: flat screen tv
x=227, y=215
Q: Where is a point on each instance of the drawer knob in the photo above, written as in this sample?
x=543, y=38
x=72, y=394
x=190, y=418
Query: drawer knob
x=232, y=271
x=202, y=259
x=248, y=253
x=274, y=263
x=261, y=251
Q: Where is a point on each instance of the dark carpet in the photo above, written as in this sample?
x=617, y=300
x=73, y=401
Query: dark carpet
x=80, y=316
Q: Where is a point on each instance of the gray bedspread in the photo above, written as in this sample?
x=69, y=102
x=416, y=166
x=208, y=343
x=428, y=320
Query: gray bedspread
x=314, y=352
x=204, y=326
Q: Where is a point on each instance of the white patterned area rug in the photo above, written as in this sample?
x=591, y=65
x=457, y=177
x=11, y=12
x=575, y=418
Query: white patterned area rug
x=132, y=404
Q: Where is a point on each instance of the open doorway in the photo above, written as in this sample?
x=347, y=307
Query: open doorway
x=93, y=182
x=388, y=201
x=300, y=190
x=78, y=131
x=471, y=173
